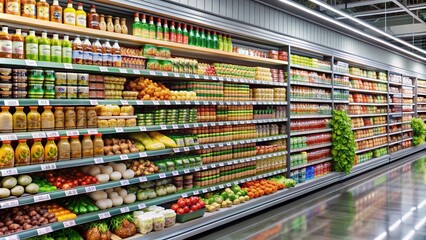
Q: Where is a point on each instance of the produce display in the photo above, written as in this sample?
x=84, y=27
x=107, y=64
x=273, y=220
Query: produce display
x=15, y=187
x=151, y=117
x=371, y=143
x=306, y=125
x=367, y=73
x=367, y=121
x=363, y=133
x=366, y=85
x=341, y=80
x=80, y=205
x=188, y=209
x=66, y=179
x=360, y=158
x=305, y=141
x=359, y=110
x=309, y=93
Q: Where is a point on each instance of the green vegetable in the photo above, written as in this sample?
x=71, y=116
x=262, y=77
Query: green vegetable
x=343, y=144
x=419, y=131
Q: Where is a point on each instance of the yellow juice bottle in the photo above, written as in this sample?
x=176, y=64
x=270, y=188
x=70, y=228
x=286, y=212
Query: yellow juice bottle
x=80, y=16
x=69, y=14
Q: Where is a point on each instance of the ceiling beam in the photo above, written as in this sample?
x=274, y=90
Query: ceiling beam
x=408, y=11
x=386, y=11
x=359, y=4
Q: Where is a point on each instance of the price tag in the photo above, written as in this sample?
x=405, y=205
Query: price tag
x=103, y=69
x=142, y=154
x=38, y=135
x=196, y=147
x=70, y=223
x=196, y=192
x=43, y=102
x=186, y=171
x=197, y=102
x=213, y=188
x=52, y=134
x=186, y=149
x=13, y=237
x=187, y=76
x=220, y=123
x=31, y=63
x=229, y=163
x=214, y=78
x=156, y=102
x=167, y=102
x=93, y=102
x=124, y=209
x=176, y=150
x=92, y=131
x=8, y=172
x=196, y=169
x=45, y=230
x=98, y=160
x=119, y=130
x=228, y=184
x=73, y=133
x=90, y=189
x=41, y=198
x=104, y=215
x=204, y=167
x=136, y=71
x=220, y=144
x=242, y=160
x=71, y=192
x=212, y=145
x=124, y=157
x=206, y=103
x=196, y=76
x=213, y=165
x=162, y=175
x=206, y=77
x=228, y=123
x=220, y=78
x=122, y=70
x=175, y=173
x=186, y=125
x=196, y=125
x=141, y=205
x=142, y=128
x=221, y=103
x=142, y=179
x=9, y=137
x=221, y=186
x=163, y=127
x=204, y=124
x=49, y=166
x=252, y=159
x=152, y=73
x=221, y=164
x=184, y=195
x=205, y=146
x=11, y=103
x=178, y=102
x=235, y=103
x=165, y=74
x=124, y=102
x=9, y=204
x=124, y=182
x=235, y=161
x=187, y=102
x=204, y=190
x=176, y=74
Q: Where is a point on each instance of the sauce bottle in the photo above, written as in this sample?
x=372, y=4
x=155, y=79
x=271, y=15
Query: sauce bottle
x=107, y=54
x=192, y=40
x=173, y=37
x=144, y=27
x=28, y=8
x=44, y=47
x=117, y=26
x=159, y=32
x=137, y=26
x=116, y=54
x=209, y=40
x=5, y=43
x=152, y=28
x=1, y=6
x=93, y=18
x=31, y=46
x=81, y=16
x=56, y=49
x=69, y=14
x=215, y=41
x=87, y=52
x=43, y=10
x=18, y=45
x=109, y=24
x=229, y=40
x=185, y=34
x=124, y=29
x=97, y=53
x=166, y=33
x=13, y=7
x=66, y=50
x=179, y=36
x=102, y=23
x=77, y=51
x=203, y=38
x=197, y=38
x=56, y=12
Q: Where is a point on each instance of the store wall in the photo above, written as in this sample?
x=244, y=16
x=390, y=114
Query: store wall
x=260, y=15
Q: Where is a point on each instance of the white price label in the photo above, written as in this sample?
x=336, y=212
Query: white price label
x=196, y=192
x=70, y=223
x=52, y=134
x=196, y=169
x=178, y=102
x=139, y=102
x=163, y=127
x=221, y=164
x=221, y=103
x=196, y=125
x=214, y=78
x=220, y=78
x=186, y=171
x=136, y=71
x=167, y=102
x=187, y=102
x=68, y=66
x=124, y=157
x=98, y=160
x=124, y=102
x=212, y=145
x=103, y=69
x=228, y=144
x=229, y=163
x=220, y=144
x=204, y=190
x=176, y=150
x=162, y=175
x=196, y=147
x=8, y=172
x=92, y=131
x=71, y=192
x=142, y=128
x=9, y=137
x=221, y=186
x=220, y=123
x=9, y=204
x=73, y=133
x=186, y=149
x=175, y=173
x=142, y=179
x=187, y=76
x=119, y=129
x=214, y=102
x=196, y=76
x=141, y=205
x=143, y=154
x=205, y=146
x=204, y=167
x=122, y=70
x=43, y=102
x=49, y=166
x=242, y=160
x=90, y=189
x=104, y=215
x=235, y=161
x=206, y=77
x=176, y=74
x=152, y=73
x=124, y=182
x=213, y=188
x=38, y=135
x=213, y=165
x=11, y=103
x=206, y=103
x=165, y=74
x=197, y=102
x=228, y=184
x=45, y=230
x=41, y=198
x=228, y=123
x=31, y=63
x=186, y=125
x=184, y=195
x=93, y=102
x=124, y=209
x=156, y=102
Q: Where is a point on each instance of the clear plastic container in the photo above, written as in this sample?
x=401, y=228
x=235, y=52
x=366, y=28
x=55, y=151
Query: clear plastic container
x=145, y=223
x=158, y=222
x=170, y=217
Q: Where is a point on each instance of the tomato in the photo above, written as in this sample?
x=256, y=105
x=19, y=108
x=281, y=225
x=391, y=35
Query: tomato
x=195, y=200
x=175, y=207
x=186, y=209
x=202, y=204
x=51, y=179
x=180, y=211
x=84, y=183
x=190, y=211
x=195, y=207
x=59, y=179
x=188, y=202
x=181, y=203
x=66, y=186
x=75, y=183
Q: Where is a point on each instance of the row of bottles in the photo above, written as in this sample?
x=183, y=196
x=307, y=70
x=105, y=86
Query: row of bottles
x=179, y=33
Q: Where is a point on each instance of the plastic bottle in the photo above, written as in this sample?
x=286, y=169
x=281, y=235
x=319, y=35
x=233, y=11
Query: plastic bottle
x=152, y=28
x=2, y=6
x=166, y=33
x=144, y=27
x=107, y=54
x=13, y=7
x=28, y=8
x=220, y=42
x=69, y=14
x=225, y=43
x=203, y=38
x=43, y=10
x=197, y=38
x=116, y=54
x=6, y=45
x=18, y=45
x=81, y=16
x=87, y=52
x=93, y=18
x=97, y=53
x=159, y=32
x=185, y=34
x=179, y=36
x=66, y=50
x=77, y=51
x=56, y=49
x=215, y=41
x=56, y=12
x=192, y=40
x=230, y=48
x=137, y=26
x=173, y=36
x=44, y=47
x=31, y=46
x=209, y=40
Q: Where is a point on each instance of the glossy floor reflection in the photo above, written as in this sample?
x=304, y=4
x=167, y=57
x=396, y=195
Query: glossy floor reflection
x=387, y=203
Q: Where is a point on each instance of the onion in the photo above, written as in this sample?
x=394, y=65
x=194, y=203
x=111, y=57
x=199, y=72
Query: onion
x=109, y=153
x=115, y=176
x=124, y=146
x=115, y=148
x=133, y=149
x=115, y=141
x=109, y=190
x=125, y=151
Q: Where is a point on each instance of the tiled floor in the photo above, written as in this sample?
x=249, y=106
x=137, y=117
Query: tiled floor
x=387, y=203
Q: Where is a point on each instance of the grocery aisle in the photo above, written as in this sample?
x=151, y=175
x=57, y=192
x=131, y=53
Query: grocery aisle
x=387, y=203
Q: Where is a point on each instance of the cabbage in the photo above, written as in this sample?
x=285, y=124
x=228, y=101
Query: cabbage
x=161, y=191
x=142, y=195
x=170, y=188
x=151, y=193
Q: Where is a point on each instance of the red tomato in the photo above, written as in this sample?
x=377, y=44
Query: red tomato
x=186, y=209
x=75, y=183
x=83, y=183
x=196, y=199
x=202, y=204
x=188, y=202
x=181, y=203
x=66, y=186
x=190, y=211
x=59, y=179
x=194, y=207
x=175, y=207
x=180, y=211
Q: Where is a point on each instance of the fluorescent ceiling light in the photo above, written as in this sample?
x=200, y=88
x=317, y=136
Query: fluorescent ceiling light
x=422, y=204
x=334, y=21
x=395, y=225
x=381, y=236
x=420, y=224
x=409, y=235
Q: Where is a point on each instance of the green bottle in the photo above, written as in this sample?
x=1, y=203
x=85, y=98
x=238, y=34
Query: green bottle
x=220, y=42
x=56, y=49
x=152, y=28
x=225, y=43
x=197, y=38
x=215, y=41
x=137, y=26
x=209, y=40
x=179, y=34
x=166, y=34
x=144, y=27
x=66, y=50
x=185, y=34
x=44, y=47
x=31, y=46
x=203, y=38
x=159, y=33
x=230, y=47
x=173, y=36
x=192, y=40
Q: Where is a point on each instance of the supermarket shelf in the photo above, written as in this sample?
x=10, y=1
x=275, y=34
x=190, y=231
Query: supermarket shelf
x=103, y=214
x=309, y=68
x=407, y=151
x=311, y=116
x=365, y=166
x=375, y=136
x=396, y=123
x=298, y=133
x=396, y=114
x=369, y=149
x=311, y=147
x=122, y=157
x=94, y=102
x=369, y=126
x=407, y=85
x=366, y=91
x=406, y=122
x=312, y=100
x=395, y=133
x=421, y=103
x=311, y=163
x=407, y=95
x=41, y=197
x=342, y=74
x=133, y=40
x=341, y=87
x=421, y=94
x=421, y=86
x=395, y=83
x=340, y=101
x=395, y=142
x=368, y=115
x=367, y=78
x=395, y=104
x=309, y=84
x=421, y=111
x=407, y=130
x=407, y=139
x=77, y=132
x=368, y=104
x=407, y=112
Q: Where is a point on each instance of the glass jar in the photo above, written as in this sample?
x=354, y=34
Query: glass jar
x=6, y=155
x=75, y=148
x=59, y=118
x=33, y=119
x=109, y=24
x=70, y=118
x=64, y=149
x=98, y=145
x=6, y=122
x=92, y=117
x=87, y=146
x=50, y=151
x=81, y=117
x=102, y=23
x=19, y=120
x=117, y=26
x=28, y=8
x=37, y=152
x=47, y=119
x=13, y=7
x=124, y=29
x=22, y=153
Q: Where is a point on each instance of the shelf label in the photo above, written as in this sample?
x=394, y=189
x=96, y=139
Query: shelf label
x=213, y=165
x=9, y=137
x=49, y=166
x=196, y=147
x=163, y=127
x=122, y=70
x=220, y=123
x=93, y=102
x=103, y=69
x=8, y=172
x=186, y=75
x=152, y=73
x=71, y=192
x=221, y=103
x=104, y=215
x=175, y=173
x=124, y=102
x=31, y=63
x=204, y=190
x=235, y=161
x=142, y=128
x=228, y=184
x=184, y=195
x=124, y=209
x=13, y=237
x=162, y=175
x=73, y=133
x=98, y=160
x=187, y=102
x=124, y=157
x=196, y=76
x=68, y=66
x=196, y=192
x=176, y=150
x=9, y=204
x=229, y=163
x=205, y=146
x=119, y=129
x=196, y=169
x=178, y=102
x=242, y=160
x=141, y=205
x=196, y=125
x=186, y=149
x=197, y=102
x=124, y=182
x=213, y=188
x=186, y=171
x=156, y=102
x=220, y=144
x=142, y=154
x=167, y=102
x=221, y=186
x=214, y=78
x=165, y=74
x=70, y=223
x=206, y=77
x=90, y=189
x=221, y=164
x=220, y=78
x=11, y=103
x=204, y=167
x=176, y=74
x=41, y=198
x=143, y=179
x=136, y=71
x=206, y=103
x=92, y=131
x=52, y=134
x=38, y=135
x=43, y=102
x=45, y=230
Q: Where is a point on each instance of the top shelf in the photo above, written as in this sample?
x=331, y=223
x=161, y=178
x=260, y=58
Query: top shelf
x=130, y=39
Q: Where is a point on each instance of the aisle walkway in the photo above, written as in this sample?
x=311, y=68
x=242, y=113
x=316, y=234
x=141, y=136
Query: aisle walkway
x=388, y=203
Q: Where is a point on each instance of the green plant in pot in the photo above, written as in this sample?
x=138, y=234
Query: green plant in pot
x=343, y=145
x=419, y=131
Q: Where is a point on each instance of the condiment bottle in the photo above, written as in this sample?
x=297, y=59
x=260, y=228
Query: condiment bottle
x=109, y=24
x=31, y=46
x=117, y=26
x=37, y=152
x=124, y=29
x=116, y=54
x=152, y=28
x=69, y=14
x=87, y=52
x=97, y=53
x=185, y=34
x=93, y=18
x=87, y=146
x=203, y=38
x=137, y=26
x=5, y=43
x=70, y=118
x=48, y=119
x=192, y=40
x=209, y=40
x=197, y=38
x=159, y=30
x=75, y=147
x=64, y=149
x=98, y=145
x=19, y=120
x=50, y=151
x=44, y=47
x=173, y=37
x=230, y=47
x=106, y=54
x=179, y=36
x=166, y=33
x=2, y=6
x=102, y=23
x=7, y=155
x=6, y=120
x=144, y=27
x=77, y=50
x=66, y=50
x=28, y=8
x=33, y=119
x=13, y=7
x=56, y=12
x=220, y=42
x=56, y=49
x=81, y=16
x=43, y=10
x=215, y=41
x=59, y=118
x=81, y=117
x=22, y=153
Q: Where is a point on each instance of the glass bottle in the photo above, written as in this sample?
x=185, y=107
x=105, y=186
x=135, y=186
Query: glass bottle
x=69, y=14
x=137, y=26
x=81, y=117
x=56, y=49
x=102, y=23
x=159, y=30
x=50, y=151
x=6, y=44
x=93, y=18
x=7, y=155
x=19, y=120
x=192, y=40
x=37, y=152
x=87, y=146
x=43, y=10
x=87, y=52
x=124, y=29
x=66, y=50
x=47, y=119
x=173, y=36
x=98, y=145
x=203, y=38
x=77, y=50
x=215, y=41
x=116, y=54
x=70, y=118
x=109, y=24
x=81, y=16
x=75, y=147
x=117, y=26
x=28, y=8
x=2, y=6
x=97, y=53
x=209, y=40
x=33, y=119
x=13, y=7
x=107, y=54
x=220, y=42
x=64, y=149
x=225, y=43
x=152, y=28
x=44, y=47
x=144, y=27
x=22, y=153
x=179, y=36
x=230, y=47
x=59, y=118
x=197, y=38
x=56, y=12
x=6, y=120
x=185, y=34
x=18, y=45
x=92, y=117
x=166, y=33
